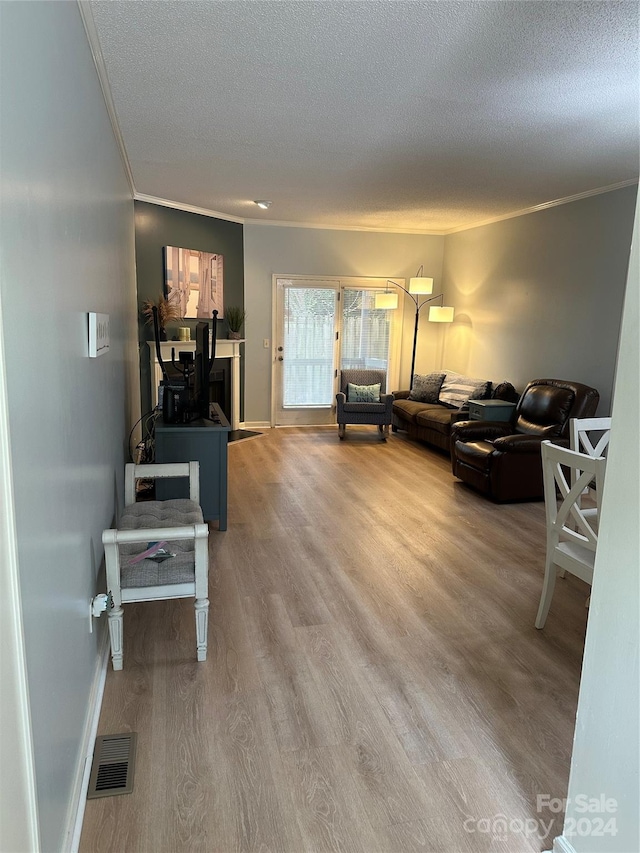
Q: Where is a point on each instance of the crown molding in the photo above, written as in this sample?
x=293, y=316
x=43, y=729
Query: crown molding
x=276, y=223
x=189, y=208
x=86, y=15
x=545, y=206
x=325, y=227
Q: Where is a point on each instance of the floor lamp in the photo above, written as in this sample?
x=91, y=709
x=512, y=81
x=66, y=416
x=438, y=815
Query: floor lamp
x=419, y=285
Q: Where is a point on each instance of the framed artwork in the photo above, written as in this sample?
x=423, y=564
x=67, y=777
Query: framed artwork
x=197, y=279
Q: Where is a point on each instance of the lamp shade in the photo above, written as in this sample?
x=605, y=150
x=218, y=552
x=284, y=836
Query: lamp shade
x=386, y=300
x=420, y=284
x=440, y=314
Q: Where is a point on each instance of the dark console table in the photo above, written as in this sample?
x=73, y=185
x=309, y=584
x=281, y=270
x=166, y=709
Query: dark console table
x=203, y=441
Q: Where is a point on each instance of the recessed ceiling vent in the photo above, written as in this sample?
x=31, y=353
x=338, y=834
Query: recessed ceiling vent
x=113, y=765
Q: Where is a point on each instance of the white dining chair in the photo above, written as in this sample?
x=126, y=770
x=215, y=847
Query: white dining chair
x=590, y=436
x=572, y=531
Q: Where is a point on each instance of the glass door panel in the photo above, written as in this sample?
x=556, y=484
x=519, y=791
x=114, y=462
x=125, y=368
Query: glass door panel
x=306, y=352
x=366, y=331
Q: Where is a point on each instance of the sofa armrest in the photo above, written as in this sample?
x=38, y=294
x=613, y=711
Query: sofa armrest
x=401, y=395
x=461, y=414
x=479, y=430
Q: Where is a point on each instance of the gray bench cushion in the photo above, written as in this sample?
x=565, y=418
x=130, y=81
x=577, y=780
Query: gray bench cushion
x=155, y=514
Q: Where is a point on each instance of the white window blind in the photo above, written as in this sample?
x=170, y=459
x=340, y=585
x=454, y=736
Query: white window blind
x=365, y=331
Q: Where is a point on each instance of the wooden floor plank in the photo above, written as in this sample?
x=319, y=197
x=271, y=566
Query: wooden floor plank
x=374, y=681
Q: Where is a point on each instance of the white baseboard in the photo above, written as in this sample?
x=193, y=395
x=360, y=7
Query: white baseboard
x=256, y=425
x=561, y=845
x=79, y=792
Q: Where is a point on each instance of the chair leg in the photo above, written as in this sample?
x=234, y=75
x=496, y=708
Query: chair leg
x=394, y=428
x=550, y=573
x=202, y=624
x=115, y=635
x=382, y=431
x=341, y=430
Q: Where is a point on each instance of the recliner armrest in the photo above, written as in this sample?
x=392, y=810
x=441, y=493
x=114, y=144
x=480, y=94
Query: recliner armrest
x=401, y=395
x=518, y=444
x=522, y=443
x=479, y=430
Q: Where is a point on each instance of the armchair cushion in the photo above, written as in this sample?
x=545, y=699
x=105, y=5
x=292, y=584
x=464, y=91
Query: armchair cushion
x=365, y=408
x=363, y=393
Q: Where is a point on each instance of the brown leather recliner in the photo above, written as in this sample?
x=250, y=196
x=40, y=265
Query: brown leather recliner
x=503, y=460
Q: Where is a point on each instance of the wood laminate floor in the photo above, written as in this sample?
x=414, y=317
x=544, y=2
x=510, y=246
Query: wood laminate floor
x=374, y=681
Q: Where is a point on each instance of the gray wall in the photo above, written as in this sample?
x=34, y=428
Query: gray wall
x=541, y=294
x=67, y=249
x=314, y=251
x=157, y=227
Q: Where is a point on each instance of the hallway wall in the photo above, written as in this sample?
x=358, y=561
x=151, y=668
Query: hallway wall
x=67, y=249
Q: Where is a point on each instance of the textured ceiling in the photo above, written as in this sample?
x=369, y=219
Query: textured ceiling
x=383, y=113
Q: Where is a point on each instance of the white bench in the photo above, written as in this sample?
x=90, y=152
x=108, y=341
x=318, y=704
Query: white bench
x=180, y=525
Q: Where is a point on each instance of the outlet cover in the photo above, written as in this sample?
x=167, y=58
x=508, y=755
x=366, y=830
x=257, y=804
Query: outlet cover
x=98, y=334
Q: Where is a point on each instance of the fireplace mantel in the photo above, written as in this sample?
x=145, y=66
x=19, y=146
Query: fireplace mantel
x=224, y=349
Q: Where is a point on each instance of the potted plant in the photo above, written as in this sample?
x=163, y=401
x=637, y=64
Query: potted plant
x=168, y=312
x=235, y=318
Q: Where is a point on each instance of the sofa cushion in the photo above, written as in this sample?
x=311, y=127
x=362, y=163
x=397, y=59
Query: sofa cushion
x=363, y=393
x=426, y=387
x=435, y=417
x=408, y=409
x=457, y=389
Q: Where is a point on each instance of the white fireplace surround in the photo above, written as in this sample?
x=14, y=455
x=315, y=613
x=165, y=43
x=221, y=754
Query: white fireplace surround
x=224, y=349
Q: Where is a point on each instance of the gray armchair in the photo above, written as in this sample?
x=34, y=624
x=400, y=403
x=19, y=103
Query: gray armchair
x=377, y=413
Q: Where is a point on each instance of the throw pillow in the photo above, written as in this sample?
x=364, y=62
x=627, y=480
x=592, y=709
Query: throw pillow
x=505, y=391
x=363, y=393
x=426, y=387
x=457, y=389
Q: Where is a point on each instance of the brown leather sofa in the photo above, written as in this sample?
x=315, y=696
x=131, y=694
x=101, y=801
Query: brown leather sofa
x=425, y=421
x=503, y=460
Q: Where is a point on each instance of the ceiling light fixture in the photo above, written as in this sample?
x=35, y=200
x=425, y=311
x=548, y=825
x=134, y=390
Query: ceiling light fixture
x=265, y=205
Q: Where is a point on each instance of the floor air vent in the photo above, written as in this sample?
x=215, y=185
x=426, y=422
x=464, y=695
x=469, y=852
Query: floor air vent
x=113, y=765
